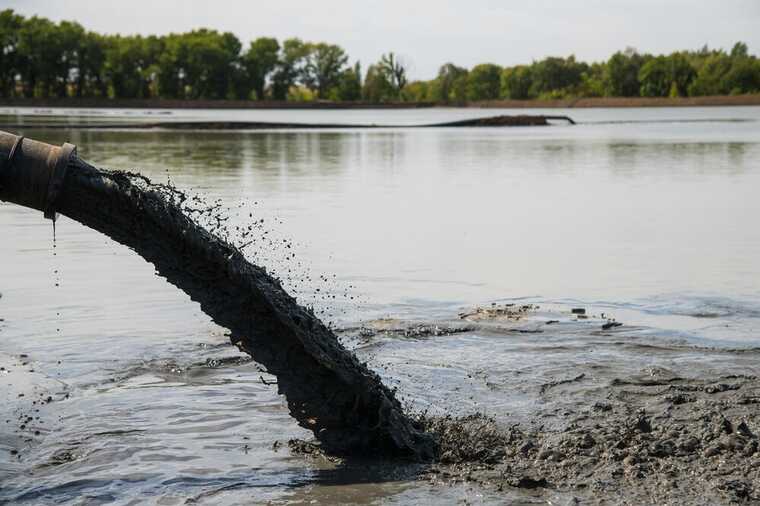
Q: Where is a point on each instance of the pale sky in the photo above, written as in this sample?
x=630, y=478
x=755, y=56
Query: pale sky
x=428, y=33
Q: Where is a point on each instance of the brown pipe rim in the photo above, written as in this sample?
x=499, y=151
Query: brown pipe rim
x=56, y=179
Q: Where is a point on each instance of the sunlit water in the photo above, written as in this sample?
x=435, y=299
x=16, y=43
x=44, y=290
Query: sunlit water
x=647, y=215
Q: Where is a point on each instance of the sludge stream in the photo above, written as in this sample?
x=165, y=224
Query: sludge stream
x=328, y=390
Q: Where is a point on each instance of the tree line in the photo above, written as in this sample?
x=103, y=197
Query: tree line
x=40, y=58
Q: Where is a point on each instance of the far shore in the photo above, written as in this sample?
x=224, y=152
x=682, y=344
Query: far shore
x=598, y=102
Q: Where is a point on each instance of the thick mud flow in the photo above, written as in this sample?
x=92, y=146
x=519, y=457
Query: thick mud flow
x=327, y=389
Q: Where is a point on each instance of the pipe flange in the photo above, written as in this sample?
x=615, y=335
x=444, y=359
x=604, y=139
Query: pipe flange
x=56, y=179
x=32, y=173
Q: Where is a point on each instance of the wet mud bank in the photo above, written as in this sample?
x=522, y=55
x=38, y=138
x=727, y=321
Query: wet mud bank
x=645, y=441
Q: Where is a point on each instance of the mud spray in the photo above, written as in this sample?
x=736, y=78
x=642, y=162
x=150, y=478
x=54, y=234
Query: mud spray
x=328, y=390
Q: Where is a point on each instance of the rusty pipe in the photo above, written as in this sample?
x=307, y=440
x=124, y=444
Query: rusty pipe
x=32, y=172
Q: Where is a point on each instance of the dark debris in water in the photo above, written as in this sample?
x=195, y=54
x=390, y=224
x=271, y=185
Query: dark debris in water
x=495, y=311
x=310, y=449
x=407, y=330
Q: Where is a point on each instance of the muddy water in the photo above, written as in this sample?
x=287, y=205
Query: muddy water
x=651, y=221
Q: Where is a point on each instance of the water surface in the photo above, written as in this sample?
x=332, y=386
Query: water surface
x=648, y=215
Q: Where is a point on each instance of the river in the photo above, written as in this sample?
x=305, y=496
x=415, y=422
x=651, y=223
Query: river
x=648, y=216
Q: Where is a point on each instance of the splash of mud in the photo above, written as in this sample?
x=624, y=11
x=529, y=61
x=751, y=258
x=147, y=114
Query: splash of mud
x=327, y=389
x=655, y=441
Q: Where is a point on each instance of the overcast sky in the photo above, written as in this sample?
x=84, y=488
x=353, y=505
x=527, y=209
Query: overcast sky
x=428, y=33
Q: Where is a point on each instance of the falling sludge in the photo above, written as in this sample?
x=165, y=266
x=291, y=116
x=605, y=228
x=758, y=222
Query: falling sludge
x=328, y=390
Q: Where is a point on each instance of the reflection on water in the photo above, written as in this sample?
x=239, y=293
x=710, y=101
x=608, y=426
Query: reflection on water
x=652, y=222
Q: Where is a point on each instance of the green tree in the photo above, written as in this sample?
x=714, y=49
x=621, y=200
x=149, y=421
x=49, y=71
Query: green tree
x=324, y=64
x=40, y=57
x=517, y=82
x=621, y=74
x=458, y=92
x=151, y=49
x=172, y=68
x=743, y=77
x=450, y=84
x=666, y=75
x=70, y=37
x=484, y=82
x=740, y=50
x=561, y=75
x=680, y=73
x=289, y=67
x=709, y=79
x=10, y=60
x=91, y=57
x=212, y=58
x=593, y=81
x=258, y=63
x=395, y=70
x=721, y=73
x=654, y=77
x=416, y=91
x=349, y=87
x=377, y=85
x=134, y=63
x=198, y=64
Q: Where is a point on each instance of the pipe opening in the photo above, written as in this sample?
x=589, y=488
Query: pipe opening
x=32, y=172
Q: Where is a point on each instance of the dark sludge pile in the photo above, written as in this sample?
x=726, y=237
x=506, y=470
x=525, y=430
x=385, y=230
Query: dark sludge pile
x=328, y=390
x=669, y=440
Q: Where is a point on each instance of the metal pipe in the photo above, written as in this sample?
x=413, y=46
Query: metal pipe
x=32, y=172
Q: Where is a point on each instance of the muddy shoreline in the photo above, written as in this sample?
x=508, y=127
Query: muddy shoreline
x=657, y=439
